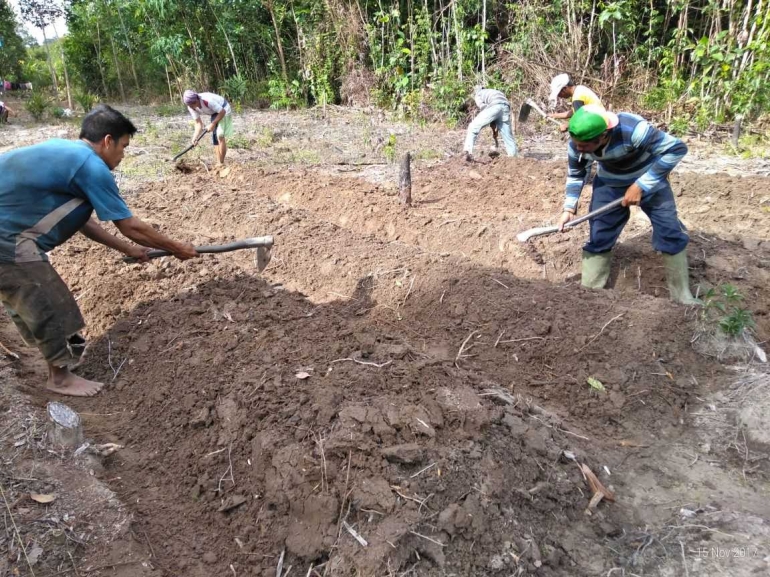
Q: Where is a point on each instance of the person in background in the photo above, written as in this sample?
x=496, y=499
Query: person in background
x=494, y=111
x=5, y=111
x=41, y=209
x=634, y=160
x=562, y=86
x=220, y=124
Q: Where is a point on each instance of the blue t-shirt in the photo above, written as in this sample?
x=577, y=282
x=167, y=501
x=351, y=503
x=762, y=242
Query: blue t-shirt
x=47, y=194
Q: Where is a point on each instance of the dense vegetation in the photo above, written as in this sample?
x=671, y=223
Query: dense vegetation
x=702, y=60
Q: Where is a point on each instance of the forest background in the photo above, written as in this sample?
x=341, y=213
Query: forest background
x=692, y=63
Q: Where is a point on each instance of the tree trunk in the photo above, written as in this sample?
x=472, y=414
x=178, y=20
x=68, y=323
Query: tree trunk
x=278, y=43
x=459, y=35
x=170, y=91
x=128, y=44
x=50, y=64
x=405, y=181
x=98, y=47
x=117, y=70
x=483, y=41
x=64, y=65
x=227, y=38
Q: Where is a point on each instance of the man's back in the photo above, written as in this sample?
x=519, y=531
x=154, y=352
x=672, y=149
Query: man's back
x=47, y=194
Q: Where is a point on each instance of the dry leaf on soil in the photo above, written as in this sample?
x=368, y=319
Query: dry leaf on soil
x=302, y=375
x=596, y=384
x=42, y=498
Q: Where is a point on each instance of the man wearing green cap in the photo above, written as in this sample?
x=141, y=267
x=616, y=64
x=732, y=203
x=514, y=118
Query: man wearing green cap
x=634, y=160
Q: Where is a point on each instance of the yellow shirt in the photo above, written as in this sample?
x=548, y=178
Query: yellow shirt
x=586, y=96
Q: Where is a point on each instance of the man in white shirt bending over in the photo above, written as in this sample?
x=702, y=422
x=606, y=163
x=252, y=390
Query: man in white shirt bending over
x=221, y=120
x=494, y=110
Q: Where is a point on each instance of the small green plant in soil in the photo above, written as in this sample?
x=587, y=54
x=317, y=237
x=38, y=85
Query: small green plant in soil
x=389, y=150
x=266, y=137
x=86, y=100
x=238, y=141
x=37, y=105
x=722, y=307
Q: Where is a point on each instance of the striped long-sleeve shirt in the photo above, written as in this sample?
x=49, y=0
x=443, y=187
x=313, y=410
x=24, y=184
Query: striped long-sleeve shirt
x=637, y=152
x=488, y=96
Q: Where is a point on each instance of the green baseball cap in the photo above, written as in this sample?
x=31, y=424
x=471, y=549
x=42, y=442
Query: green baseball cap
x=590, y=122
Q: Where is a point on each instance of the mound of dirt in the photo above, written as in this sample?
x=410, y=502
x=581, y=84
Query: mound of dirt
x=396, y=392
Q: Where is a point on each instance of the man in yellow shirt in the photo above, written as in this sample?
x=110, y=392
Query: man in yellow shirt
x=562, y=86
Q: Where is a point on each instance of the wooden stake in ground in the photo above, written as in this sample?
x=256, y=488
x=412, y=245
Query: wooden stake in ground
x=405, y=181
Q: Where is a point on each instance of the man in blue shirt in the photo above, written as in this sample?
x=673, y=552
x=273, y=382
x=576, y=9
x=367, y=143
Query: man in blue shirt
x=634, y=160
x=47, y=194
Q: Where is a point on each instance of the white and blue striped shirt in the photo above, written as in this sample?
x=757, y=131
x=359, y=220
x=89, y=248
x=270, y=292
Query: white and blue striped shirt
x=637, y=152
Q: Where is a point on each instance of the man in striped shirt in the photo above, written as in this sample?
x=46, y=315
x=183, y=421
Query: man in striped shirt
x=494, y=110
x=634, y=160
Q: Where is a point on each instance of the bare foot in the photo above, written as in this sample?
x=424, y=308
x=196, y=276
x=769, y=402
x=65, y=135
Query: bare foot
x=66, y=383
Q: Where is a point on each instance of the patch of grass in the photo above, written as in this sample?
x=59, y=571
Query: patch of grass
x=168, y=109
x=427, y=154
x=266, y=137
x=389, y=150
x=150, y=130
x=239, y=142
x=304, y=156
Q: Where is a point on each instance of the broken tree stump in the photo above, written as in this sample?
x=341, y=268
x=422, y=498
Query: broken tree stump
x=65, y=429
x=405, y=181
x=737, y=130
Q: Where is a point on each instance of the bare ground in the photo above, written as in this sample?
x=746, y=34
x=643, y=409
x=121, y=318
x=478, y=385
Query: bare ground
x=446, y=367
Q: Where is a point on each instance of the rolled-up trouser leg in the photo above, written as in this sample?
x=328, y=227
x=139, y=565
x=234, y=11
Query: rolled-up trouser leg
x=43, y=310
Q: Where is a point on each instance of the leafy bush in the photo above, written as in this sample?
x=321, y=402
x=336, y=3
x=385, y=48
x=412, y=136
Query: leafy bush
x=283, y=95
x=87, y=100
x=58, y=112
x=37, y=105
x=722, y=307
x=234, y=88
x=238, y=141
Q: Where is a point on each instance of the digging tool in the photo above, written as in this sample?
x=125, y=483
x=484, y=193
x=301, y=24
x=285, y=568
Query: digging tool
x=189, y=148
x=263, y=244
x=543, y=230
x=530, y=105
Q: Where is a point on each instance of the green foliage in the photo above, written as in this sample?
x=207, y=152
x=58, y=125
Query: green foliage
x=389, y=150
x=168, y=109
x=37, y=105
x=283, y=95
x=12, y=53
x=698, y=61
x=266, y=137
x=239, y=142
x=234, y=88
x=86, y=100
x=679, y=126
x=57, y=112
x=722, y=307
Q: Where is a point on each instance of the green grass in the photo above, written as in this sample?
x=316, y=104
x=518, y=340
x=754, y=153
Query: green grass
x=239, y=142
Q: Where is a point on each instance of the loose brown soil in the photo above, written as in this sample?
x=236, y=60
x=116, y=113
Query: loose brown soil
x=350, y=387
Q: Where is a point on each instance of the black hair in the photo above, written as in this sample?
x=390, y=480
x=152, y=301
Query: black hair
x=104, y=120
x=571, y=82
